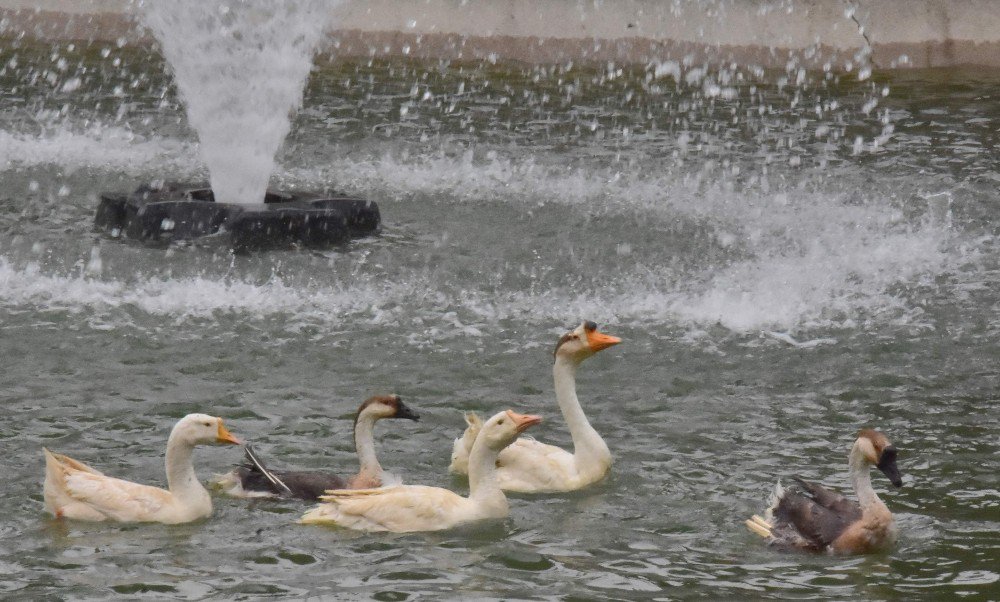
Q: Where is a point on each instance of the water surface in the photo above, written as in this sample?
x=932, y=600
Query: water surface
x=787, y=261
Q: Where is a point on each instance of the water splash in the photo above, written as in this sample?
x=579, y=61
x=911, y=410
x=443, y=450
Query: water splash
x=240, y=66
x=99, y=146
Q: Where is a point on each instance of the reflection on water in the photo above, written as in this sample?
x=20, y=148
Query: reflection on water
x=778, y=285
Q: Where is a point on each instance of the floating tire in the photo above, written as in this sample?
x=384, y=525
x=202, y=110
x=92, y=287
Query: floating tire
x=158, y=216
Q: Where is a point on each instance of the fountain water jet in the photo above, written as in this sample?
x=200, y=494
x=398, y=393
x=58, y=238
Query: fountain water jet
x=240, y=67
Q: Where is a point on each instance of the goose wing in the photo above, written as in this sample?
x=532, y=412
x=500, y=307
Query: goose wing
x=256, y=476
x=115, y=498
x=255, y=472
x=463, y=445
x=399, y=509
x=815, y=522
x=301, y=485
x=533, y=466
x=829, y=499
x=66, y=464
x=75, y=490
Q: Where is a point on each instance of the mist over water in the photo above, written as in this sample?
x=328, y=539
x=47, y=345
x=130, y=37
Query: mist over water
x=240, y=67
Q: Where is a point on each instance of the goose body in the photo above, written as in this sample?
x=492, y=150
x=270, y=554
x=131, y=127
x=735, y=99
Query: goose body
x=816, y=519
x=254, y=479
x=530, y=466
x=409, y=508
x=75, y=490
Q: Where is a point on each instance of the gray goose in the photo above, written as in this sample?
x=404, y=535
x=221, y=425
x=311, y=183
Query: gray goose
x=819, y=520
x=253, y=478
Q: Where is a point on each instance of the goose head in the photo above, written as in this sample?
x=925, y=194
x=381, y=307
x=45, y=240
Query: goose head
x=386, y=406
x=202, y=429
x=876, y=450
x=583, y=341
x=501, y=430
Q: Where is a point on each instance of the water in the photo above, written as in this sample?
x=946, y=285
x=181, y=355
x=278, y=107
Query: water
x=240, y=67
x=711, y=231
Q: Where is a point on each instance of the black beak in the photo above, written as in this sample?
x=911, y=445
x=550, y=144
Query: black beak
x=403, y=411
x=887, y=464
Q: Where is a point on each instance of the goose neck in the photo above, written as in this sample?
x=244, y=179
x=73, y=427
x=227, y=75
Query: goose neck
x=182, y=481
x=862, y=483
x=364, y=443
x=584, y=435
x=483, y=485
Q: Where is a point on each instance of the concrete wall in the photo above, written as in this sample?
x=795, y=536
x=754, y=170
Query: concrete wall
x=898, y=33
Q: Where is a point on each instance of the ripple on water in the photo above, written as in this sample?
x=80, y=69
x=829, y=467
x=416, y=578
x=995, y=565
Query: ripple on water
x=766, y=319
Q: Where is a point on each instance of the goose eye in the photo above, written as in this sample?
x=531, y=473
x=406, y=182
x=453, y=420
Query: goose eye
x=500, y=421
x=208, y=424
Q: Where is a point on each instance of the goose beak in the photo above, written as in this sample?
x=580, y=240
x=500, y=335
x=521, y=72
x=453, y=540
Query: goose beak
x=523, y=421
x=404, y=411
x=887, y=464
x=598, y=340
x=224, y=436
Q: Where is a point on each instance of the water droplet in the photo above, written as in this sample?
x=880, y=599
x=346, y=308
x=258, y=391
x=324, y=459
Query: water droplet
x=95, y=265
x=71, y=84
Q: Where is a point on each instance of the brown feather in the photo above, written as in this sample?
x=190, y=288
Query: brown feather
x=816, y=525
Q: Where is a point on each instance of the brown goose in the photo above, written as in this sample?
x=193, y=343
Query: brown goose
x=819, y=520
x=254, y=479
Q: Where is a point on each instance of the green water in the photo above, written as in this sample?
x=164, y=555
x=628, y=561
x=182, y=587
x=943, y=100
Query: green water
x=700, y=226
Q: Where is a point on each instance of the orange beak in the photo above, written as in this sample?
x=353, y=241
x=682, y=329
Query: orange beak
x=225, y=436
x=599, y=340
x=523, y=421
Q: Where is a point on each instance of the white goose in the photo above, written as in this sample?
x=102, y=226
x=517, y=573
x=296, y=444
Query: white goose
x=77, y=491
x=529, y=466
x=819, y=520
x=408, y=508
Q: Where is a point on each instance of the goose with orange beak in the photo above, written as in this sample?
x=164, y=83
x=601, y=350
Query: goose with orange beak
x=409, y=508
x=819, y=520
x=529, y=466
x=76, y=491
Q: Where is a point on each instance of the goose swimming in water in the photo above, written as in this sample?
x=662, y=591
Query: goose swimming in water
x=529, y=466
x=74, y=490
x=254, y=479
x=409, y=508
x=820, y=520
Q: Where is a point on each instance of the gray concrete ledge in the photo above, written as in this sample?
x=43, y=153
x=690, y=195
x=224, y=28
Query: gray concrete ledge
x=896, y=33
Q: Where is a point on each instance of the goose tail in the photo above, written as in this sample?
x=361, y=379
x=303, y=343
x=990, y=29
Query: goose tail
x=463, y=445
x=256, y=464
x=764, y=525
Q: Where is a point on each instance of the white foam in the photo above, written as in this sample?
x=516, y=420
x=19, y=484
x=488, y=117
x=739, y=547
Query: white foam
x=98, y=147
x=813, y=290
x=809, y=258
x=192, y=297
x=794, y=259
